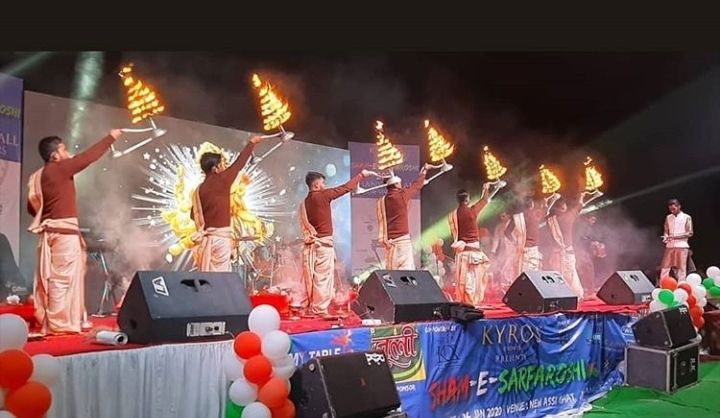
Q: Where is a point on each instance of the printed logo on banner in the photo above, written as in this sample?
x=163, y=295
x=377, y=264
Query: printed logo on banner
x=329, y=343
x=403, y=351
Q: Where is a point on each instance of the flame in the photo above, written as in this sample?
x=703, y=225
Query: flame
x=493, y=168
x=143, y=101
x=388, y=155
x=593, y=178
x=273, y=109
x=440, y=148
x=550, y=182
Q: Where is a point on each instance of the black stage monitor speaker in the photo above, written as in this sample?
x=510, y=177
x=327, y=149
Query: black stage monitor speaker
x=661, y=369
x=626, y=288
x=352, y=385
x=669, y=328
x=173, y=306
x=395, y=296
x=540, y=292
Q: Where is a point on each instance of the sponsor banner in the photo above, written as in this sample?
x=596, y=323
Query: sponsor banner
x=404, y=352
x=363, y=156
x=329, y=343
x=521, y=367
x=11, y=101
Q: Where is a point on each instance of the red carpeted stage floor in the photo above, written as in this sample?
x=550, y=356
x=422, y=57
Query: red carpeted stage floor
x=75, y=344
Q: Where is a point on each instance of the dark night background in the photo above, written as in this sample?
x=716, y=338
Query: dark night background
x=537, y=106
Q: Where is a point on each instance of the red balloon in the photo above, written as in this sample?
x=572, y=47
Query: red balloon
x=31, y=400
x=287, y=410
x=668, y=283
x=16, y=367
x=691, y=301
x=274, y=393
x=247, y=344
x=686, y=287
x=258, y=370
x=696, y=312
x=700, y=323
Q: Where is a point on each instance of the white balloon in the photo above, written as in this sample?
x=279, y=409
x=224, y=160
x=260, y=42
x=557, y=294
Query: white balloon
x=284, y=372
x=694, y=279
x=702, y=302
x=656, y=305
x=242, y=392
x=46, y=369
x=700, y=292
x=263, y=319
x=13, y=332
x=256, y=410
x=656, y=294
x=716, y=280
x=276, y=344
x=713, y=272
x=6, y=414
x=282, y=361
x=680, y=295
x=233, y=366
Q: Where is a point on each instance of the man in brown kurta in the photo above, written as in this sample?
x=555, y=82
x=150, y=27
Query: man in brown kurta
x=393, y=226
x=318, y=257
x=60, y=273
x=471, y=264
x=525, y=230
x=211, y=210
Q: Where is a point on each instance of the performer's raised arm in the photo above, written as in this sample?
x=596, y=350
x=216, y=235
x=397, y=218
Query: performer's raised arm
x=336, y=192
x=418, y=184
x=484, y=200
x=241, y=160
x=78, y=163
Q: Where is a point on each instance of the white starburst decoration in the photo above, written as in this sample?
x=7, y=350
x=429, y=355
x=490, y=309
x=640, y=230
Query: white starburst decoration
x=261, y=199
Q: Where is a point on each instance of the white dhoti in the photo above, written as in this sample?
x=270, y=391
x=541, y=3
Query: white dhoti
x=318, y=261
x=214, y=249
x=531, y=259
x=471, y=275
x=565, y=262
x=59, y=291
x=399, y=254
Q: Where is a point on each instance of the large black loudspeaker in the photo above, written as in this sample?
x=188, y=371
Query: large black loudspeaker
x=169, y=306
x=626, y=288
x=669, y=328
x=395, y=296
x=540, y=292
x=352, y=385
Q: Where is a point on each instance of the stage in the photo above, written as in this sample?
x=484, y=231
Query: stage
x=503, y=365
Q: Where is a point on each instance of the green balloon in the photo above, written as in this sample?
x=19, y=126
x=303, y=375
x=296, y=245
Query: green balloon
x=232, y=410
x=708, y=283
x=666, y=296
x=714, y=291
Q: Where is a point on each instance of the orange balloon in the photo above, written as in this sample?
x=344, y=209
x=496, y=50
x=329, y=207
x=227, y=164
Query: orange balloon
x=696, y=312
x=247, y=344
x=31, y=400
x=699, y=322
x=668, y=283
x=258, y=370
x=691, y=301
x=287, y=410
x=16, y=367
x=274, y=393
x=686, y=287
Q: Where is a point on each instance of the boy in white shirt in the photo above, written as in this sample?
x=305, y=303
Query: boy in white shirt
x=677, y=231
